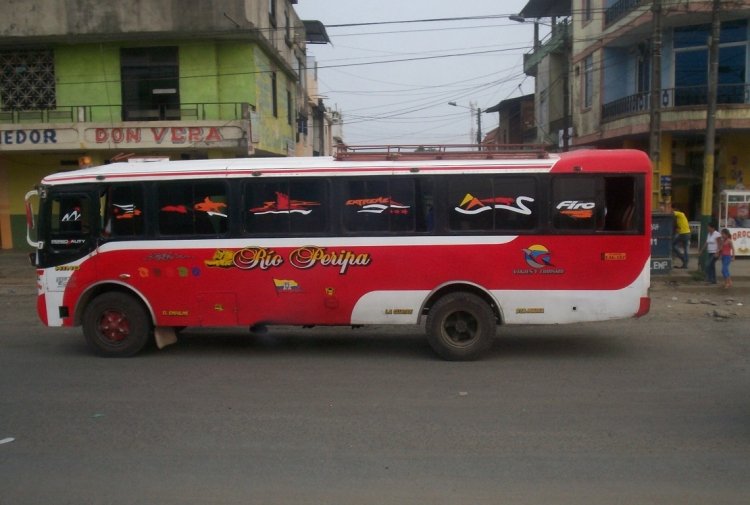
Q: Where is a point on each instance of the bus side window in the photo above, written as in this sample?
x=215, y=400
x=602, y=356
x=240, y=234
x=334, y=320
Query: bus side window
x=423, y=204
x=367, y=205
x=281, y=207
x=622, y=203
x=123, y=205
x=192, y=208
x=311, y=198
x=470, y=204
x=575, y=203
x=402, y=211
x=515, y=202
x=381, y=205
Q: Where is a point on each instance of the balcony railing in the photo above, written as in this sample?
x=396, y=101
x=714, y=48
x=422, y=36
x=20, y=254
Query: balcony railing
x=118, y=113
x=555, y=43
x=619, y=10
x=683, y=96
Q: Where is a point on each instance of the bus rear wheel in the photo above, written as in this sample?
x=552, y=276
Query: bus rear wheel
x=116, y=325
x=460, y=327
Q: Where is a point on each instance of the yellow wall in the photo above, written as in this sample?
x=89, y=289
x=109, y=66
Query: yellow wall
x=733, y=161
x=6, y=241
x=18, y=175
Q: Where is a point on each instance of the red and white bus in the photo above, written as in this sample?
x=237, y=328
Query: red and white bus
x=460, y=240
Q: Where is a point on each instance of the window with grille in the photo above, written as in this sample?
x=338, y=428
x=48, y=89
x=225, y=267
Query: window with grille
x=27, y=80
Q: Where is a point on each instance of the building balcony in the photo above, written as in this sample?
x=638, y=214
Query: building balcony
x=555, y=43
x=684, y=96
x=229, y=111
x=620, y=9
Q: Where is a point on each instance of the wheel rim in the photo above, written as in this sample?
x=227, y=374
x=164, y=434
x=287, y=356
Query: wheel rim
x=460, y=328
x=114, y=327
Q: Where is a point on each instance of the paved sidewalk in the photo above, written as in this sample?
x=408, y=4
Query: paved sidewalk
x=16, y=269
x=693, y=278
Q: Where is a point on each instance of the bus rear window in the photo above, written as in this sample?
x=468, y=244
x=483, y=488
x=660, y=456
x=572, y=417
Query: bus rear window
x=596, y=203
x=577, y=203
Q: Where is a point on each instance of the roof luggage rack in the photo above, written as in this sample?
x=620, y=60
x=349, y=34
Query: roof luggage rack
x=439, y=152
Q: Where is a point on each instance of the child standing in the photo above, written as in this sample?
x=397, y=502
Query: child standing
x=711, y=246
x=727, y=255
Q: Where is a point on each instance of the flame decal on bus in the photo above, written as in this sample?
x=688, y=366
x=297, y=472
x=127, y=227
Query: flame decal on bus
x=473, y=205
x=378, y=205
x=284, y=205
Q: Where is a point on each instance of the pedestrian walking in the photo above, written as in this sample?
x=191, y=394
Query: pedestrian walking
x=727, y=255
x=711, y=246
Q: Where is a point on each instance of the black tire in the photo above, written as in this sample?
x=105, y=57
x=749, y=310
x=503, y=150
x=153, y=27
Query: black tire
x=116, y=325
x=460, y=327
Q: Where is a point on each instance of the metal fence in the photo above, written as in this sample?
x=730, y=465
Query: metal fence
x=682, y=96
x=125, y=113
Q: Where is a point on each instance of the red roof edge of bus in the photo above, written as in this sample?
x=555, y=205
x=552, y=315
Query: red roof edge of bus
x=603, y=160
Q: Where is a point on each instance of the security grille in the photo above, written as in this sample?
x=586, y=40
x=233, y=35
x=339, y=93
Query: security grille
x=27, y=80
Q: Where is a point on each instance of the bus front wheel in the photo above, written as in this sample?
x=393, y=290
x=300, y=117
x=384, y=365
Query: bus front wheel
x=460, y=327
x=116, y=325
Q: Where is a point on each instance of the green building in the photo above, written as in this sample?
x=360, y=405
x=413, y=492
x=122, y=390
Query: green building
x=138, y=80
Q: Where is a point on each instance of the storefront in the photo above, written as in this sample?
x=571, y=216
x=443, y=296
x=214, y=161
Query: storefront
x=29, y=152
x=734, y=216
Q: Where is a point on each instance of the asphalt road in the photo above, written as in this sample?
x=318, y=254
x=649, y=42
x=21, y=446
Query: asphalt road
x=649, y=411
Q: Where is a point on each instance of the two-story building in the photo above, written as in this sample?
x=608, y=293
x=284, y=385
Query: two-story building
x=612, y=47
x=183, y=80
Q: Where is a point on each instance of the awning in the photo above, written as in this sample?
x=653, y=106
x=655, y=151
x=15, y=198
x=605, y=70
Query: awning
x=315, y=32
x=507, y=103
x=546, y=8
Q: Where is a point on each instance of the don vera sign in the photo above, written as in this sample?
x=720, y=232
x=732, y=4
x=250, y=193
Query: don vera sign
x=91, y=137
x=159, y=135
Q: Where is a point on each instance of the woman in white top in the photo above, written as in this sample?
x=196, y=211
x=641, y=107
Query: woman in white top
x=711, y=245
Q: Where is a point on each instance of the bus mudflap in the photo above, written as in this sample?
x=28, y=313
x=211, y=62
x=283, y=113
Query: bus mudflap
x=164, y=336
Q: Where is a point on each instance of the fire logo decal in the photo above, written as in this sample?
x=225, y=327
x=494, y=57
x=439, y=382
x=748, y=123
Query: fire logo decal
x=576, y=210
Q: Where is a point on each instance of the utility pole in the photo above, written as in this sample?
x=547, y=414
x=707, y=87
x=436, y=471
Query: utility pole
x=655, y=103
x=566, y=85
x=473, y=107
x=479, y=128
x=709, y=160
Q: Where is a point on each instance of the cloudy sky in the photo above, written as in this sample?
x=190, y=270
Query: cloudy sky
x=392, y=81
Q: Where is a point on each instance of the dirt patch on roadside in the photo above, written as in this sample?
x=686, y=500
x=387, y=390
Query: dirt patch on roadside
x=693, y=299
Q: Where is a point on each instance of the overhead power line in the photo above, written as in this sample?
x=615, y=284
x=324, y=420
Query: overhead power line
x=428, y=20
x=473, y=53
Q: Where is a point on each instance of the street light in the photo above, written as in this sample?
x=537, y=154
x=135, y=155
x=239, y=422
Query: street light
x=479, y=121
x=520, y=19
